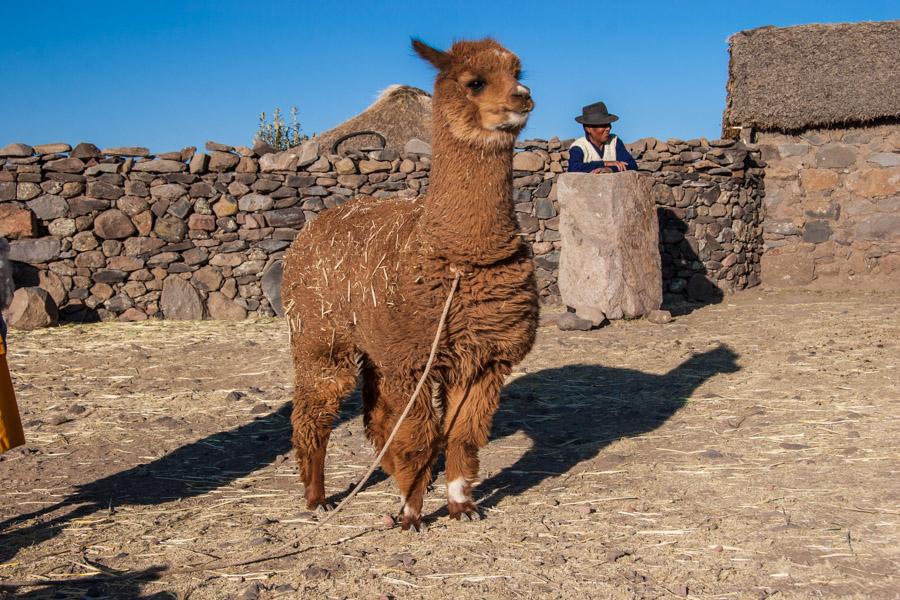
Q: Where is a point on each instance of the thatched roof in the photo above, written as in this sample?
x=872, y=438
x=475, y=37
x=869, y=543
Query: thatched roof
x=399, y=114
x=811, y=76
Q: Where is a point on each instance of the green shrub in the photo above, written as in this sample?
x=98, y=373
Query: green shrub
x=279, y=134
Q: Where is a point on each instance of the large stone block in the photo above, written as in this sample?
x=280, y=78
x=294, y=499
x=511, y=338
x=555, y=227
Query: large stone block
x=179, y=300
x=787, y=268
x=15, y=222
x=31, y=308
x=874, y=183
x=609, y=264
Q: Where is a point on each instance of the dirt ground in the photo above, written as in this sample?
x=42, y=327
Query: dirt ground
x=745, y=450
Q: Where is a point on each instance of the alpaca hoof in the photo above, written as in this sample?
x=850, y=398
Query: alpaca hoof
x=413, y=523
x=464, y=511
x=324, y=507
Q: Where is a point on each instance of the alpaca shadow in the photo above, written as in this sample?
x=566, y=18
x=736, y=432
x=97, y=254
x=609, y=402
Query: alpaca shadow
x=190, y=470
x=571, y=413
x=685, y=288
x=113, y=585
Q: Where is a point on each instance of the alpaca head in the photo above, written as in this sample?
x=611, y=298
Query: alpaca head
x=477, y=94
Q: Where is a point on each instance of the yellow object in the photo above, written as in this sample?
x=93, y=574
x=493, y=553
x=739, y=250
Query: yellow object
x=11, y=434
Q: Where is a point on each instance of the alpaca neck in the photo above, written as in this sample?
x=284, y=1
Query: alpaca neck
x=469, y=214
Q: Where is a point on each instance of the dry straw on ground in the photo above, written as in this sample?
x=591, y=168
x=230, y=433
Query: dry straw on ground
x=744, y=450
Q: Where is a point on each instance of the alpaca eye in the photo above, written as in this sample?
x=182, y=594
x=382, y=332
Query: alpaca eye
x=476, y=85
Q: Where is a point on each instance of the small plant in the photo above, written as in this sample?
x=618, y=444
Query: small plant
x=279, y=134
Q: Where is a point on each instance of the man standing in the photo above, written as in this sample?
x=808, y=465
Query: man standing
x=598, y=151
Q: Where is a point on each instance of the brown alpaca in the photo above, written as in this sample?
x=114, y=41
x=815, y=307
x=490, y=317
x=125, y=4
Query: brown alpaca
x=365, y=283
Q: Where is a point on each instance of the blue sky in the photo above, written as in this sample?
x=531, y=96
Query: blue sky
x=172, y=74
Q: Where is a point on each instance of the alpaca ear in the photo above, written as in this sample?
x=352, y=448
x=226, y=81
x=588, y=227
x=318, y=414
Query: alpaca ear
x=440, y=60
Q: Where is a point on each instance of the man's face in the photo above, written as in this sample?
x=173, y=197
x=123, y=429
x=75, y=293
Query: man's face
x=598, y=134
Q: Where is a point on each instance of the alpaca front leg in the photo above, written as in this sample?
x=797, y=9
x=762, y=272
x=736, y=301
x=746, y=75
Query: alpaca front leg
x=414, y=450
x=467, y=425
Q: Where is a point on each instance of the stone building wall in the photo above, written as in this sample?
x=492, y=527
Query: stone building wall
x=832, y=208
x=120, y=234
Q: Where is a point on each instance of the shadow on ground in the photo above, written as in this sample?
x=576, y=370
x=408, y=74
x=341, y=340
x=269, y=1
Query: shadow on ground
x=570, y=413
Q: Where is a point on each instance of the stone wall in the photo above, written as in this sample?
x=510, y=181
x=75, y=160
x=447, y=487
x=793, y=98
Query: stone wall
x=121, y=234
x=833, y=208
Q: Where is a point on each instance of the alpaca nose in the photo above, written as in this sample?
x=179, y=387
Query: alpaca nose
x=522, y=91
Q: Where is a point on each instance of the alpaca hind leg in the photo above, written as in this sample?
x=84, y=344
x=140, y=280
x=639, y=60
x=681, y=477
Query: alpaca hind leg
x=318, y=391
x=467, y=425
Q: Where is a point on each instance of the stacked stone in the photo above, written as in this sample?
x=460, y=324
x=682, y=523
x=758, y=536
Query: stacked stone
x=119, y=233
x=833, y=208
x=709, y=194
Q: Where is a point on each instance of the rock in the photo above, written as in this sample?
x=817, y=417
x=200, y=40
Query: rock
x=61, y=227
x=787, y=269
x=56, y=148
x=222, y=161
x=137, y=246
x=286, y=217
x=15, y=222
x=659, y=317
x=84, y=241
x=528, y=161
x=610, y=260
x=307, y=153
x=113, y=224
x=28, y=190
x=278, y=161
x=34, y=252
x=159, y=165
x=544, y=209
x=7, y=191
x=49, y=207
x=202, y=222
x=179, y=300
x=885, y=159
x=16, y=151
x=871, y=183
x=818, y=180
x=374, y=166
x=571, y=322
x=816, y=232
x=207, y=279
x=31, y=308
x=199, y=164
x=53, y=285
x=65, y=165
x=85, y=150
x=835, y=156
x=217, y=147
x=134, y=151
x=254, y=202
x=222, y=309
x=271, y=286
x=104, y=191
x=879, y=227
x=417, y=146
x=321, y=165
x=261, y=148
x=168, y=191
x=225, y=207
x=346, y=166
x=171, y=228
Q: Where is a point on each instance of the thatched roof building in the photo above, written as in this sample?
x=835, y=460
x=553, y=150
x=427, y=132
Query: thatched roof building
x=811, y=76
x=399, y=114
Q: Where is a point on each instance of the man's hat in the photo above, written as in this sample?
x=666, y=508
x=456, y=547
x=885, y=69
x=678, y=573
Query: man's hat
x=596, y=114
